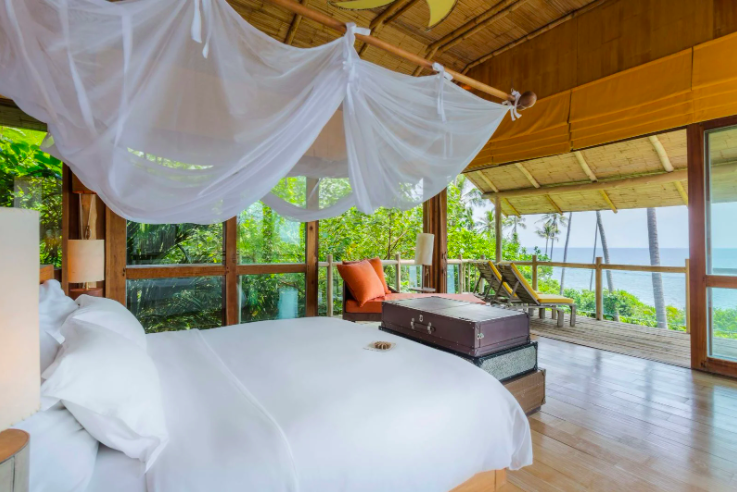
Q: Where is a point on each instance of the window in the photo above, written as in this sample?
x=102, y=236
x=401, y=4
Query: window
x=31, y=179
x=173, y=244
x=272, y=296
x=266, y=237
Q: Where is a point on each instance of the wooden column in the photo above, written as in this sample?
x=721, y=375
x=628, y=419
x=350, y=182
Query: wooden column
x=232, y=281
x=435, y=221
x=599, y=292
x=498, y=228
x=329, y=292
x=697, y=246
x=534, y=272
x=115, y=256
x=311, y=249
x=398, y=272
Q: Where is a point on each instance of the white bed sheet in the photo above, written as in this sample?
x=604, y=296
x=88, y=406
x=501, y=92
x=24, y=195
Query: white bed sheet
x=115, y=472
x=302, y=405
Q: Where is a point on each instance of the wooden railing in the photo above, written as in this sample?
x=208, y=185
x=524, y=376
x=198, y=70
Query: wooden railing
x=467, y=274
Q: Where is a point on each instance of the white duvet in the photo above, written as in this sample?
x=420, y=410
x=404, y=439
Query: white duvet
x=302, y=405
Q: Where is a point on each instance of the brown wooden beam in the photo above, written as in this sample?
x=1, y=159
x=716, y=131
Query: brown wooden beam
x=138, y=272
x=270, y=268
x=679, y=175
x=115, y=256
x=435, y=221
x=296, y=21
x=232, y=279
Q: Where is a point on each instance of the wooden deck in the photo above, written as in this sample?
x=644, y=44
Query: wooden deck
x=614, y=422
x=671, y=347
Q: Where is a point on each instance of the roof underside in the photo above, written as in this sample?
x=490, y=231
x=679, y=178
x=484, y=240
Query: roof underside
x=506, y=21
x=608, y=163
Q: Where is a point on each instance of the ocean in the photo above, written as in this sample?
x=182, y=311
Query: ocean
x=640, y=283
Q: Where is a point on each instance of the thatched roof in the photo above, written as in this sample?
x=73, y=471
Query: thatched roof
x=637, y=173
x=497, y=23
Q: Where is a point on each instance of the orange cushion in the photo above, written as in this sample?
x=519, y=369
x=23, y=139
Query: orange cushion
x=378, y=267
x=374, y=305
x=362, y=281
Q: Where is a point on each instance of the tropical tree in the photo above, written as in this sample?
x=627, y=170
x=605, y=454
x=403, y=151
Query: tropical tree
x=652, y=237
x=517, y=222
x=565, y=251
x=548, y=230
x=487, y=224
x=605, y=247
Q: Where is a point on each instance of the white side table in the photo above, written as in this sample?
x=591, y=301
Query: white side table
x=14, y=457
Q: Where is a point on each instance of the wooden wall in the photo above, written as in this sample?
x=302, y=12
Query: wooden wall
x=617, y=35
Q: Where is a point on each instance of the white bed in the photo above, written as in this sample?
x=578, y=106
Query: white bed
x=302, y=405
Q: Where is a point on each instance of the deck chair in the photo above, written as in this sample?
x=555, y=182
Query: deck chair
x=496, y=290
x=531, y=298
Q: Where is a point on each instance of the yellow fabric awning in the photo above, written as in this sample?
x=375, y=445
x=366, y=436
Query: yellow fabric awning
x=542, y=130
x=693, y=85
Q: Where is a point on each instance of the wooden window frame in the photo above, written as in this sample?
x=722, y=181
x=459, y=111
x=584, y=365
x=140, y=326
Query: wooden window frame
x=118, y=272
x=700, y=281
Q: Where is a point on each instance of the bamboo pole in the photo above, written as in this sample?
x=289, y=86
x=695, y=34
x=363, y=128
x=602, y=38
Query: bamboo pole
x=599, y=290
x=498, y=228
x=330, y=284
x=534, y=272
x=339, y=26
x=461, y=274
x=398, y=273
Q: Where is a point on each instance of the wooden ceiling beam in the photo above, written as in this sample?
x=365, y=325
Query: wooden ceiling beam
x=388, y=15
x=585, y=166
x=511, y=207
x=608, y=201
x=682, y=191
x=488, y=182
x=554, y=205
x=662, y=154
x=651, y=179
x=296, y=21
x=527, y=174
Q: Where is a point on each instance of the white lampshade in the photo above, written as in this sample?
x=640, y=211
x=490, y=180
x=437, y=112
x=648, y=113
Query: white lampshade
x=423, y=249
x=20, y=377
x=85, y=260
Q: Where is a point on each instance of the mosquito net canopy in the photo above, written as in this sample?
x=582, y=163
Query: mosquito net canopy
x=180, y=111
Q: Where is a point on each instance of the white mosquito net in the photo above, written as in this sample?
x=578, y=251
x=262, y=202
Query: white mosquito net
x=180, y=111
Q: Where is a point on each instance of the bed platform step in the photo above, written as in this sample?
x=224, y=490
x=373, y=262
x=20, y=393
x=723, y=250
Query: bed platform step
x=529, y=390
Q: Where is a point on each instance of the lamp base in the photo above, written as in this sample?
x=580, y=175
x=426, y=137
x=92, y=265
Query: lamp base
x=76, y=292
x=14, y=460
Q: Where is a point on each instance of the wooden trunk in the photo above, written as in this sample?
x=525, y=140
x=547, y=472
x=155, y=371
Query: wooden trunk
x=529, y=390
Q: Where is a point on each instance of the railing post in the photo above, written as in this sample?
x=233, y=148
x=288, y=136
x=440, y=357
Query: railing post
x=599, y=290
x=688, y=296
x=461, y=274
x=481, y=279
x=330, y=284
x=534, y=272
x=398, y=272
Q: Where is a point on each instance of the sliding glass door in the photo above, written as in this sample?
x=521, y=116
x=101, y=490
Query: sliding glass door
x=713, y=221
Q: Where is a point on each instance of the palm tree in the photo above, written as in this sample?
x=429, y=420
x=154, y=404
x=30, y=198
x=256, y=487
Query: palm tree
x=469, y=194
x=652, y=237
x=555, y=220
x=605, y=247
x=548, y=231
x=565, y=252
x=486, y=224
x=517, y=222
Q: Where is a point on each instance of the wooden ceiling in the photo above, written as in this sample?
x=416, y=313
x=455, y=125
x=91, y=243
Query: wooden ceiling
x=638, y=173
x=473, y=30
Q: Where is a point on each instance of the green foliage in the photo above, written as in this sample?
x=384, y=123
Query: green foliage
x=31, y=179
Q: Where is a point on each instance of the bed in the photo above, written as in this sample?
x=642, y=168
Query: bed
x=307, y=405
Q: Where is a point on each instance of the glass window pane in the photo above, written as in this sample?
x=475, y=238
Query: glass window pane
x=168, y=304
x=266, y=237
x=721, y=156
x=723, y=323
x=31, y=179
x=272, y=296
x=168, y=244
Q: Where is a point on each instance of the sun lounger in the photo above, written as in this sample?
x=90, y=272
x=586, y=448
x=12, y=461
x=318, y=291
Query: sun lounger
x=531, y=298
x=496, y=290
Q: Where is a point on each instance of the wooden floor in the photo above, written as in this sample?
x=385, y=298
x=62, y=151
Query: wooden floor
x=614, y=422
x=671, y=347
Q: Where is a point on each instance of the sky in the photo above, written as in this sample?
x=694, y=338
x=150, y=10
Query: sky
x=625, y=229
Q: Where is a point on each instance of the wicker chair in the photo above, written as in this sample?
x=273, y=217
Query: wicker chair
x=531, y=298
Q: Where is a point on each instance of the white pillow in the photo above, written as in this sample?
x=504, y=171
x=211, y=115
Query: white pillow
x=111, y=386
x=111, y=315
x=53, y=309
x=63, y=454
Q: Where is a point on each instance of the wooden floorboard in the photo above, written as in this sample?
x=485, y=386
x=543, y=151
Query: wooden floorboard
x=614, y=422
x=668, y=346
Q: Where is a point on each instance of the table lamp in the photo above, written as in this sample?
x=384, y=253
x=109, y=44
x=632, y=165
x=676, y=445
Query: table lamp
x=20, y=373
x=423, y=252
x=85, y=263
